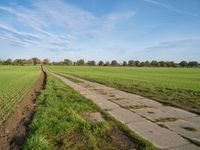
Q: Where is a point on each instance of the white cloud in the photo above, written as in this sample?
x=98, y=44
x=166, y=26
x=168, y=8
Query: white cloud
x=77, y=19
x=65, y=14
x=112, y=19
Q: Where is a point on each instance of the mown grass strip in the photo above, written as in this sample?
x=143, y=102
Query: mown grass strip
x=59, y=123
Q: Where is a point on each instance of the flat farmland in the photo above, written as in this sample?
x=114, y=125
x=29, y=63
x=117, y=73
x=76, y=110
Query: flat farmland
x=15, y=81
x=178, y=87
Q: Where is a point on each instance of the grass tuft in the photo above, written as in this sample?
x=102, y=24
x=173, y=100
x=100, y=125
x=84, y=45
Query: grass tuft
x=166, y=119
x=37, y=143
x=192, y=129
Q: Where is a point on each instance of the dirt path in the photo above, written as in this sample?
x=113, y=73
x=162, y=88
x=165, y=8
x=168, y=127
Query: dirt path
x=13, y=131
x=164, y=126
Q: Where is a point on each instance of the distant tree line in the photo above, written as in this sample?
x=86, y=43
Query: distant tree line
x=130, y=63
x=82, y=62
x=31, y=61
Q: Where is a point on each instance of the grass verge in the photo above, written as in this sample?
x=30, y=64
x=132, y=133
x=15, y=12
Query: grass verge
x=58, y=124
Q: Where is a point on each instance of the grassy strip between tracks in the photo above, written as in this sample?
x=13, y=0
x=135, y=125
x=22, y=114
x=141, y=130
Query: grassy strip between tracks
x=60, y=123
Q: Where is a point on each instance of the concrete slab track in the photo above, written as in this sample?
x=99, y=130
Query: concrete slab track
x=164, y=126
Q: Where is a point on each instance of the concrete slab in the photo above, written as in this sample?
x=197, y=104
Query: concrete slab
x=127, y=95
x=150, y=103
x=126, y=103
x=164, y=112
x=102, y=102
x=152, y=114
x=125, y=116
x=195, y=120
x=98, y=86
x=176, y=112
x=184, y=128
x=160, y=137
x=186, y=147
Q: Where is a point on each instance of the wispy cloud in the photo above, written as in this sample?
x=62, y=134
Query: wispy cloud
x=26, y=16
x=177, y=50
x=112, y=19
x=56, y=25
x=171, y=8
x=176, y=44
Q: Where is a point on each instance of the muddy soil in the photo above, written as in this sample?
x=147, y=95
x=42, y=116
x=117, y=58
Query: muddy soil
x=14, y=130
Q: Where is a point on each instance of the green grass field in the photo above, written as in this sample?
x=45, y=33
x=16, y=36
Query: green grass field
x=60, y=122
x=179, y=87
x=15, y=81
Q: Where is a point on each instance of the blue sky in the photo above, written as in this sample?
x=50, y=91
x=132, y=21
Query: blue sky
x=100, y=29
